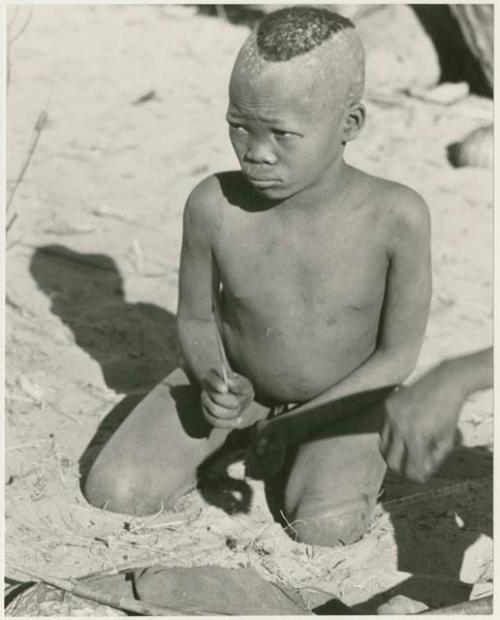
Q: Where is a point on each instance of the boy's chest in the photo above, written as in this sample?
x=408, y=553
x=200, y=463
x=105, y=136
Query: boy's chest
x=320, y=264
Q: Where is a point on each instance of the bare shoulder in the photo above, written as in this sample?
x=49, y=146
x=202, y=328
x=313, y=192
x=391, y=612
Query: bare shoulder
x=205, y=206
x=406, y=207
x=402, y=209
x=207, y=202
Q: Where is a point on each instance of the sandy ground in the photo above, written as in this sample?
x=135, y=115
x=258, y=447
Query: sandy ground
x=92, y=293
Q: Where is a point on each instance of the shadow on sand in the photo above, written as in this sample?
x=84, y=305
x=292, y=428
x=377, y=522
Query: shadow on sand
x=135, y=344
x=430, y=542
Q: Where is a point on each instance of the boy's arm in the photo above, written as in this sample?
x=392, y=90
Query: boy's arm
x=222, y=403
x=195, y=319
x=404, y=313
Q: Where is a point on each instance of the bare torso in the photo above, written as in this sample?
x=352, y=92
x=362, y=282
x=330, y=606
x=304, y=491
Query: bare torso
x=301, y=292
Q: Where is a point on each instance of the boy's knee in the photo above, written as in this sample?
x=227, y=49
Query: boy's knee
x=119, y=491
x=332, y=527
x=330, y=530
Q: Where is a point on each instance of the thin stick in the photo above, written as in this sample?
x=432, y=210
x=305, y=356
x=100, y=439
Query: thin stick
x=21, y=30
x=435, y=492
x=67, y=415
x=39, y=126
x=259, y=533
x=290, y=525
x=11, y=40
x=158, y=526
x=116, y=569
x=222, y=355
x=149, y=520
x=10, y=222
x=129, y=604
x=59, y=465
x=220, y=344
x=28, y=444
x=21, y=399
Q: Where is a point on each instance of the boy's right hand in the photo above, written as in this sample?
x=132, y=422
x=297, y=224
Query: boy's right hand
x=224, y=403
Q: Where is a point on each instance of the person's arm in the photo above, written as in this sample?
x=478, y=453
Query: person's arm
x=474, y=372
x=404, y=313
x=421, y=420
x=223, y=403
x=195, y=318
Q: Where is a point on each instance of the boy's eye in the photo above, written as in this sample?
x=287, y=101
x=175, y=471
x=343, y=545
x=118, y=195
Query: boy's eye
x=280, y=133
x=237, y=127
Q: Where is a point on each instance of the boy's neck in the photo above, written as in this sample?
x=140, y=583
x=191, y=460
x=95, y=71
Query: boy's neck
x=324, y=192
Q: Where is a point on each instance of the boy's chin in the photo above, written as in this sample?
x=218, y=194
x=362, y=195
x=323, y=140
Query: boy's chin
x=274, y=192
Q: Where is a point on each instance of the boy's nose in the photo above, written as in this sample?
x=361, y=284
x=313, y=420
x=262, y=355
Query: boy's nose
x=260, y=153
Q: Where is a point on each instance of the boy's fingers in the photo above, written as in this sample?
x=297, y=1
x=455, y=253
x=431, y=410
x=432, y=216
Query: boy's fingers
x=227, y=401
x=239, y=384
x=215, y=382
x=221, y=423
x=216, y=410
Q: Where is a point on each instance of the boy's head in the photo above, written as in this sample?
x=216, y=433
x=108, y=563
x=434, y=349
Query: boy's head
x=295, y=98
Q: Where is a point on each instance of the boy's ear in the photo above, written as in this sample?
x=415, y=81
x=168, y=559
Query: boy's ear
x=354, y=121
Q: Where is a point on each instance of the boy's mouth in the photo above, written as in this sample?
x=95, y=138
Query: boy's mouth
x=262, y=182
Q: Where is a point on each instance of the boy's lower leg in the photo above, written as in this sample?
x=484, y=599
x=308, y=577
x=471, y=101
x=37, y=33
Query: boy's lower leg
x=334, y=483
x=152, y=458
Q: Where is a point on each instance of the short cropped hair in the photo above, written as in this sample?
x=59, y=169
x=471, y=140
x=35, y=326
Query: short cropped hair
x=293, y=31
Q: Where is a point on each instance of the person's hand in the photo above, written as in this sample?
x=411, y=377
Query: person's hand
x=227, y=405
x=420, y=423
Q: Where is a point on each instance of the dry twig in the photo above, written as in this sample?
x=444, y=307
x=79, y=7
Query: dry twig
x=436, y=492
x=37, y=132
x=12, y=39
x=28, y=444
x=129, y=604
x=289, y=526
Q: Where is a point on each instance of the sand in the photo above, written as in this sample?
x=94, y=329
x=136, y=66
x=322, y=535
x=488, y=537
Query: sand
x=92, y=293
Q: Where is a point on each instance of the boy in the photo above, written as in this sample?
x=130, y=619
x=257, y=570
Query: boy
x=315, y=275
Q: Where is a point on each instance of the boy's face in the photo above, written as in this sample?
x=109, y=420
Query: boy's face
x=286, y=127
